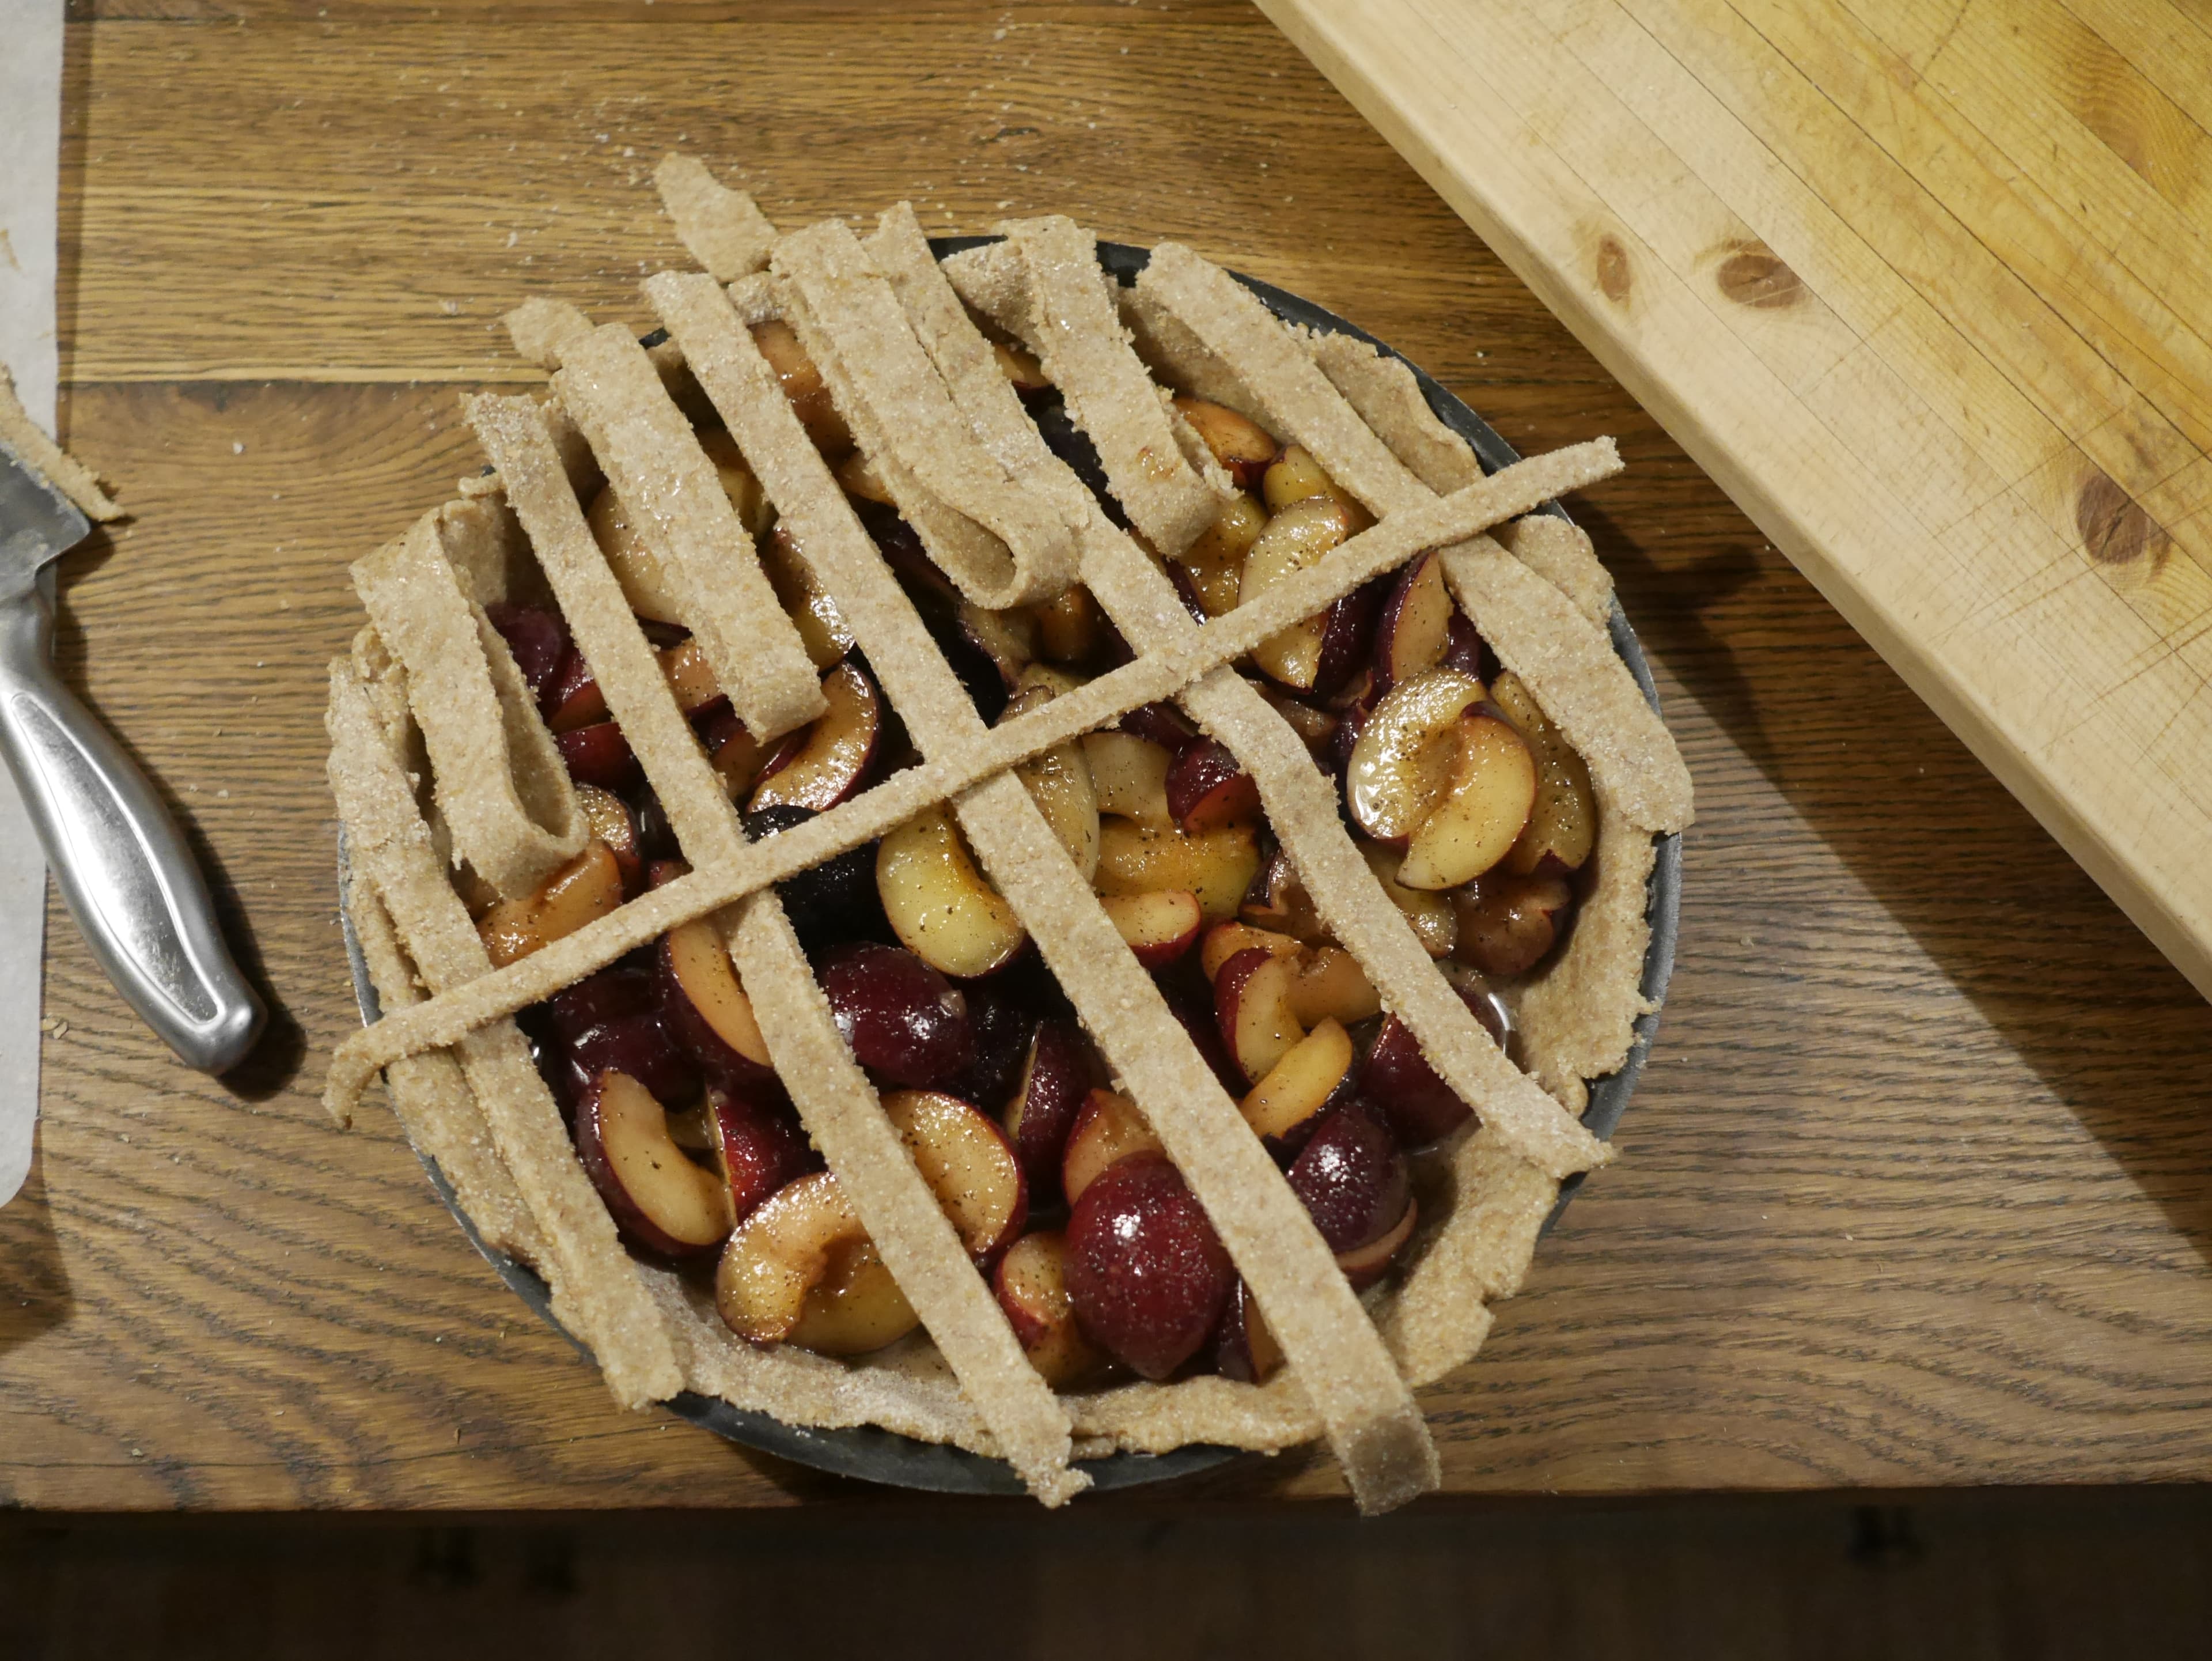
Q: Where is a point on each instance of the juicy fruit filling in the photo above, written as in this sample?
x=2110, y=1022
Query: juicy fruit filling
x=1473, y=814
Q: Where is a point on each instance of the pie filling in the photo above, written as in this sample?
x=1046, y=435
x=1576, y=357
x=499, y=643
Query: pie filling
x=1474, y=815
x=1167, y=844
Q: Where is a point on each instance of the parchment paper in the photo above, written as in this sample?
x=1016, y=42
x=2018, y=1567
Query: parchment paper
x=30, y=146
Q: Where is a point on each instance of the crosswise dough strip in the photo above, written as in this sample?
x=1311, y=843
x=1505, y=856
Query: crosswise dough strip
x=1267, y=1231
x=390, y=845
x=502, y=785
x=1301, y=804
x=1378, y=1433
x=835, y=1102
x=1566, y=660
x=1150, y=677
x=658, y=468
x=1579, y=1020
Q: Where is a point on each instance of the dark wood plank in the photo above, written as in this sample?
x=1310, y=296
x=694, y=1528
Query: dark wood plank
x=2022, y=1577
x=1914, y=1190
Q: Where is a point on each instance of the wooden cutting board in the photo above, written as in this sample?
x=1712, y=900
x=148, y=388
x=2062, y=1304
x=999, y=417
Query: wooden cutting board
x=1927, y=288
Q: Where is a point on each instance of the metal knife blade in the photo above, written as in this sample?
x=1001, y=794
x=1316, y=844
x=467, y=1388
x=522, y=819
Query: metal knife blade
x=37, y=521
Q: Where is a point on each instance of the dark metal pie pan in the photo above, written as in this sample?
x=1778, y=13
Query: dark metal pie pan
x=882, y=1455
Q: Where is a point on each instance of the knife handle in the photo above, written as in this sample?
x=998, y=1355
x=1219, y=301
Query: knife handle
x=117, y=857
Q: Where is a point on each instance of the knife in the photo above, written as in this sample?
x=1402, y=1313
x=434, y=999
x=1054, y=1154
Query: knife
x=117, y=855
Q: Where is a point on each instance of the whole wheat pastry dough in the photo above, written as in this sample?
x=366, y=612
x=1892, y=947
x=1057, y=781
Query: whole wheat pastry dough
x=835, y=1101
x=1361, y=1404
x=56, y=465
x=1387, y=397
x=725, y=229
x=543, y=330
x=883, y=324
x=431, y=1097
x=1163, y=476
x=982, y=529
x=704, y=552
x=390, y=845
x=501, y=785
x=1561, y=554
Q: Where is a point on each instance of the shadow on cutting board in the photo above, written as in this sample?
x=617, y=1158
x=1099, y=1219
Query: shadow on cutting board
x=2060, y=976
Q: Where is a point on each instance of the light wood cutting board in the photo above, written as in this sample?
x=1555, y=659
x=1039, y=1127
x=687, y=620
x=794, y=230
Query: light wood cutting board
x=1927, y=288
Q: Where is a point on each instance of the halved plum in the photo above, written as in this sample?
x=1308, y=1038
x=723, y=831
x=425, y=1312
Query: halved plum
x=645, y=585
x=938, y=904
x=1147, y=1273
x=614, y=825
x=1353, y=1178
x=757, y=1145
x=1129, y=776
x=657, y=1195
x=585, y=889
x=1206, y=788
x=1562, y=826
x=1031, y=1284
x=1508, y=923
x=1401, y=765
x=801, y=1269
x=1241, y=445
x=1492, y=787
x=1295, y=477
x=1158, y=927
x=1285, y=1104
x=829, y=761
x=1429, y=914
x=1415, y=624
x=1217, y=866
x=599, y=755
x=1252, y=999
x=968, y=1164
x=1058, y=1076
x=538, y=641
x=688, y=675
x=822, y=627
x=737, y=755
x=1109, y=1128
x=1295, y=538
x=902, y=1019
x=1059, y=779
x=707, y=1008
x=1215, y=563
x=803, y=385
x=1278, y=900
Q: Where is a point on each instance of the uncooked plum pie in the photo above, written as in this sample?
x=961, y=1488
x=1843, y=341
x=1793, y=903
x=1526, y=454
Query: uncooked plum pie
x=967, y=846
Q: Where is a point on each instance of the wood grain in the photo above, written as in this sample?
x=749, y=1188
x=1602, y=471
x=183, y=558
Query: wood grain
x=1915, y=1189
x=1977, y=412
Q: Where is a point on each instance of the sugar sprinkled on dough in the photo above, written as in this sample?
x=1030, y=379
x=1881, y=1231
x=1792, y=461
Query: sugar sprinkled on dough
x=1473, y=1251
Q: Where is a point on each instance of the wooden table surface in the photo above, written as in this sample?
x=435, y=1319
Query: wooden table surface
x=1914, y=1190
